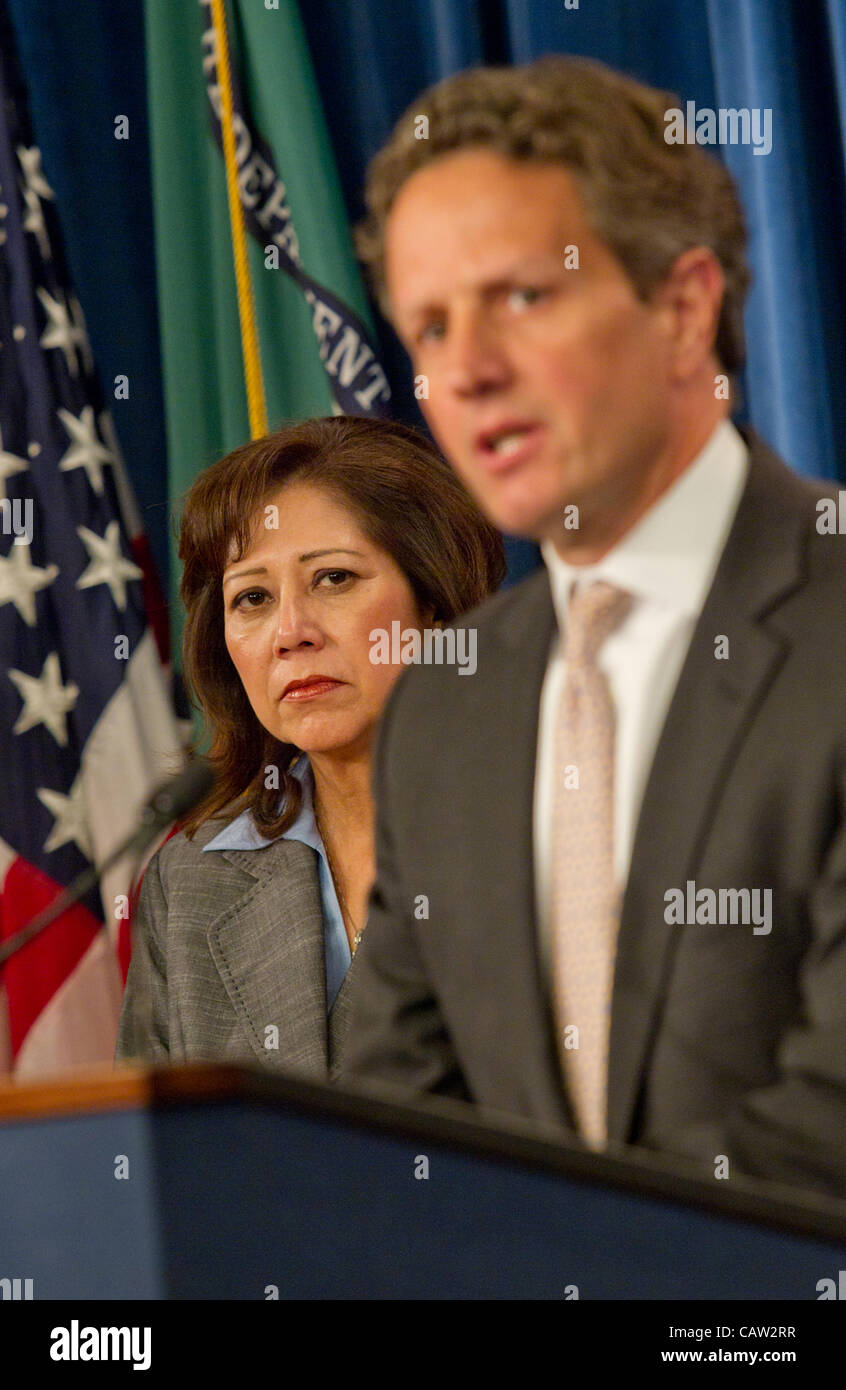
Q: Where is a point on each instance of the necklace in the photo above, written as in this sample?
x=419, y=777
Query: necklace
x=358, y=932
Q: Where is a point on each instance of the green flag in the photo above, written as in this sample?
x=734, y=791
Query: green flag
x=310, y=307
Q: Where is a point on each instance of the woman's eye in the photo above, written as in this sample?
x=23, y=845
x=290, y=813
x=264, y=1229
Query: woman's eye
x=335, y=578
x=249, y=594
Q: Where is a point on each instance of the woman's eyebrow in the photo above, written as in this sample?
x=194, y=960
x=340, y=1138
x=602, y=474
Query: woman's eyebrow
x=239, y=574
x=335, y=550
x=309, y=555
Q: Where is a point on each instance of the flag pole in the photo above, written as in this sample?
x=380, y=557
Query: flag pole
x=256, y=404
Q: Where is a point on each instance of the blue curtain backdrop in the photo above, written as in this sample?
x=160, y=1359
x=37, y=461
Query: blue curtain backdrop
x=85, y=64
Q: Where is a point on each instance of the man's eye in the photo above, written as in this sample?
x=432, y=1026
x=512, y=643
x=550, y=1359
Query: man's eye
x=525, y=294
x=431, y=332
x=336, y=578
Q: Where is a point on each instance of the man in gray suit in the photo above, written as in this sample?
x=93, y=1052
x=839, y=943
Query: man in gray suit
x=611, y=885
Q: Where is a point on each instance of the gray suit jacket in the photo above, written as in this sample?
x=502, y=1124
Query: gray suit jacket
x=722, y=1041
x=228, y=945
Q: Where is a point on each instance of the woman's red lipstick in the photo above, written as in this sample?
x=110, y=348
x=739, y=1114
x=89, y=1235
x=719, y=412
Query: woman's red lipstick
x=309, y=688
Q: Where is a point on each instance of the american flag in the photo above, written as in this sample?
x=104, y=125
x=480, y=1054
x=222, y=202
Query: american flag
x=86, y=723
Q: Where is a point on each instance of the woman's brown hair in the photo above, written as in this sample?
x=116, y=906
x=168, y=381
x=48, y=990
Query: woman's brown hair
x=407, y=500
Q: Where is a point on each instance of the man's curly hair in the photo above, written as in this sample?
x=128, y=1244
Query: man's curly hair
x=648, y=200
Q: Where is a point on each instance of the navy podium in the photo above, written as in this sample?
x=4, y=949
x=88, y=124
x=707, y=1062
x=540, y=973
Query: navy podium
x=223, y=1182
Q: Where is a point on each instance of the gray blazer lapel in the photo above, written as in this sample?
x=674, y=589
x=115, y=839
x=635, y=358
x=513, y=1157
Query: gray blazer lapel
x=268, y=947
x=339, y=1019
x=712, y=706
x=500, y=844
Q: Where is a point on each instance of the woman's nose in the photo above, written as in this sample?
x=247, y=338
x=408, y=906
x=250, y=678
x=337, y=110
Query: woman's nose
x=295, y=626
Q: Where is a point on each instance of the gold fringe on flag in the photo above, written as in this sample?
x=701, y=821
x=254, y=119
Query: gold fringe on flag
x=256, y=404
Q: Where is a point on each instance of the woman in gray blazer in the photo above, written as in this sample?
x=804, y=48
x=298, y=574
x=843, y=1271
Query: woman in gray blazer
x=318, y=562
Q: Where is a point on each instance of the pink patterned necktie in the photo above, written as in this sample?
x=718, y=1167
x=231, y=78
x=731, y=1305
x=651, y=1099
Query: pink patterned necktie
x=585, y=898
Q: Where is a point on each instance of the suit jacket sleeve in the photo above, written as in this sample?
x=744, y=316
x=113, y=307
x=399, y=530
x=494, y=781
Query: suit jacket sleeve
x=143, y=1027
x=396, y=1034
x=794, y=1131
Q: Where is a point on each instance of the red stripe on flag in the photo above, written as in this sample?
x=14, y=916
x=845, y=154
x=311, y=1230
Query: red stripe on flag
x=33, y=976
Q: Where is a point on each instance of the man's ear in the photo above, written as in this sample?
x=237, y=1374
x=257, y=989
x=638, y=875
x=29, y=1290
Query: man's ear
x=692, y=296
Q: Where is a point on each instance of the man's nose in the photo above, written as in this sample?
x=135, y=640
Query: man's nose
x=476, y=359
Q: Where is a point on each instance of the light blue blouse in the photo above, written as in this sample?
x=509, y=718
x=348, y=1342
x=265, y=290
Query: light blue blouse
x=243, y=834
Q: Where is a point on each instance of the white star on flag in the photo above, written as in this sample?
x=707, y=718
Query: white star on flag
x=107, y=565
x=30, y=161
x=34, y=222
x=71, y=819
x=35, y=187
x=20, y=581
x=46, y=700
x=62, y=332
x=9, y=465
x=86, y=451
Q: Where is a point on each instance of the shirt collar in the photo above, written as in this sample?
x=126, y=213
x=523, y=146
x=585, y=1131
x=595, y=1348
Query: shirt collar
x=242, y=833
x=671, y=554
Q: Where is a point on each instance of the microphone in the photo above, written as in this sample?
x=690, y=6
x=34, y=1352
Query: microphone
x=166, y=804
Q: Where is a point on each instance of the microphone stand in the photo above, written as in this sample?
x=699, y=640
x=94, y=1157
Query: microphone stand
x=171, y=800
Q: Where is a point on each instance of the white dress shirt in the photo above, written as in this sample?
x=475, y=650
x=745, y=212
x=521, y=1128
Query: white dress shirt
x=667, y=561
